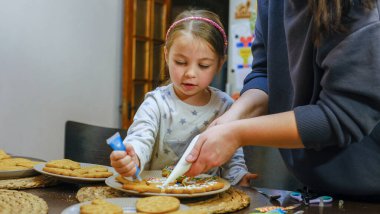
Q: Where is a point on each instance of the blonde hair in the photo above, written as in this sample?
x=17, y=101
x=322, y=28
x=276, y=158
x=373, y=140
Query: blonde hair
x=200, y=29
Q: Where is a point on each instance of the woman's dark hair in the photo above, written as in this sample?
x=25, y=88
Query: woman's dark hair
x=329, y=15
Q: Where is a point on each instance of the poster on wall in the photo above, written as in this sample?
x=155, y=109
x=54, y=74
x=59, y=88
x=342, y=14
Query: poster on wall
x=242, y=21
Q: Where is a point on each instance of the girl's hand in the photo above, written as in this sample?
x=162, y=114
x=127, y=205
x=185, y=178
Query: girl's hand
x=125, y=162
x=245, y=181
x=215, y=147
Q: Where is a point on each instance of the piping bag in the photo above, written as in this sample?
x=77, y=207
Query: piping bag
x=116, y=143
x=182, y=166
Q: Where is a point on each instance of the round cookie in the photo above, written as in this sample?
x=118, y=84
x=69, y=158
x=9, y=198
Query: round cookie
x=157, y=204
x=99, y=206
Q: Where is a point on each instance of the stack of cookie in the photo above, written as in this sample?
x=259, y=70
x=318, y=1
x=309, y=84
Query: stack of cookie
x=3, y=155
x=7, y=163
x=71, y=168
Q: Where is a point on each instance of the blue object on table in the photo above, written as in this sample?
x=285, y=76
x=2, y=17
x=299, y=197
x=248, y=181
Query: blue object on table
x=276, y=211
x=325, y=199
x=116, y=143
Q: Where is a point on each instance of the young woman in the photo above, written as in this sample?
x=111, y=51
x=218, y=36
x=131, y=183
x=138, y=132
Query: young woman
x=313, y=92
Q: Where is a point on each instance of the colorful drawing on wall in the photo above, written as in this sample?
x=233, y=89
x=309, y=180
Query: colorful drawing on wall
x=244, y=47
x=241, y=53
x=242, y=27
x=243, y=10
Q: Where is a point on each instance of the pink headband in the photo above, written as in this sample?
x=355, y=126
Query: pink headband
x=203, y=19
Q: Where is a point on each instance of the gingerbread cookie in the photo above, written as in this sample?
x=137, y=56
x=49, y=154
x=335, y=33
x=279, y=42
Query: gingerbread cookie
x=157, y=204
x=188, y=186
x=11, y=168
x=8, y=164
x=98, y=192
x=99, y=206
x=96, y=175
x=28, y=164
x=91, y=169
x=63, y=164
x=59, y=171
x=167, y=170
x=3, y=155
x=68, y=167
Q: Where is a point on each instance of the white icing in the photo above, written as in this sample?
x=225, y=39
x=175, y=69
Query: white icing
x=188, y=184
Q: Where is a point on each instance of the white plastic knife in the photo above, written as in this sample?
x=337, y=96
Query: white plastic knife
x=182, y=166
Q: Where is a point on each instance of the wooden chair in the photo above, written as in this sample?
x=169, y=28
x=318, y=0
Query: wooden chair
x=87, y=143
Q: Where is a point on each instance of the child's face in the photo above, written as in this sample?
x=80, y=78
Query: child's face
x=192, y=65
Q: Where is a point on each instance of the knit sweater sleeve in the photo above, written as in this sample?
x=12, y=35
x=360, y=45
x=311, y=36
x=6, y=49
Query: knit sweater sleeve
x=348, y=107
x=144, y=129
x=235, y=168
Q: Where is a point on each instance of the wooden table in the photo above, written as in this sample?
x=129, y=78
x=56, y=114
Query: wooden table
x=63, y=195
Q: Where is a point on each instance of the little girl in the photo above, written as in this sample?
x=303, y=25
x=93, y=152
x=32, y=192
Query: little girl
x=172, y=115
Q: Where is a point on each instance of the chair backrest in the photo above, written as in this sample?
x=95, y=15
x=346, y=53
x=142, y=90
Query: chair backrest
x=87, y=143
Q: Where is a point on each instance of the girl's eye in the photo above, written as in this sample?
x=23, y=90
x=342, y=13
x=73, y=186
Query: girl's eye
x=204, y=66
x=180, y=62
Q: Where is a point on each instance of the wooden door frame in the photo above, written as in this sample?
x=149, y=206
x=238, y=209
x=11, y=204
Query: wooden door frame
x=127, y=62
x=128, y=57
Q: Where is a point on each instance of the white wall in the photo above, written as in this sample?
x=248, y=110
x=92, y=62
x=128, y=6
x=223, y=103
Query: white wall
x=59, y=60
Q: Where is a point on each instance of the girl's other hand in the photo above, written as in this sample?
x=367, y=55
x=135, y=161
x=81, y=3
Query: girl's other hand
x=246, y=180
x=124, y=162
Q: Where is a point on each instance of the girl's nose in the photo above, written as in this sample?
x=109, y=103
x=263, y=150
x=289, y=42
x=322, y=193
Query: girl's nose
x=190, y=73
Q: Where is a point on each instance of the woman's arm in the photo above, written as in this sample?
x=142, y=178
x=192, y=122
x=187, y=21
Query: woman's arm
x=252, y=103
x=218, y=143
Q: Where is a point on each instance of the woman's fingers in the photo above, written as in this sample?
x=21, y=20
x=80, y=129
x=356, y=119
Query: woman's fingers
x=196, y=169
x=197, y=166
x=195, y=151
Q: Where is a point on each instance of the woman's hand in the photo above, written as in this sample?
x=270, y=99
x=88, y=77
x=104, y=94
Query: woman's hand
x=246, y=180
x=125, y=162
x=215, y=147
